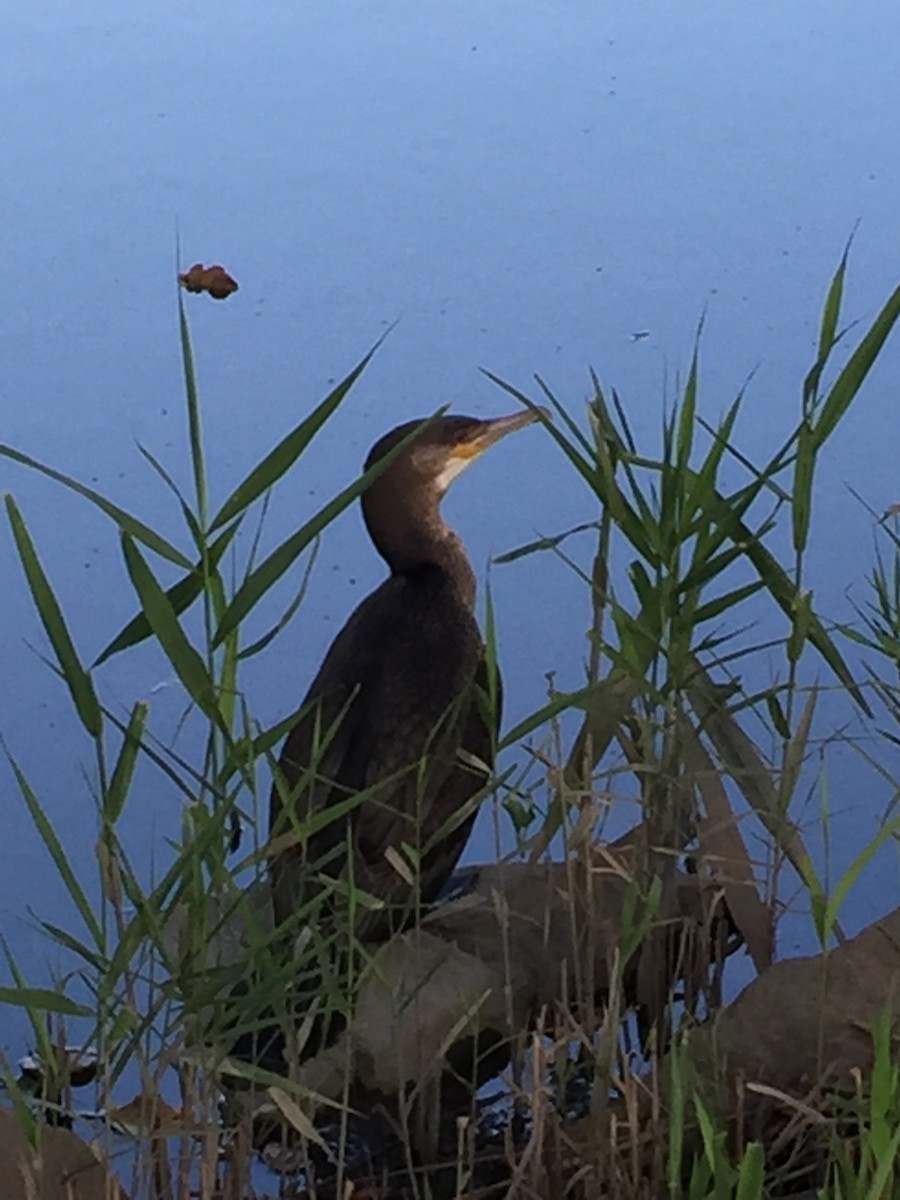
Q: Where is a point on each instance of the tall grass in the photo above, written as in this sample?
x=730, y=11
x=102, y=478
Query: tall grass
x=660, y=710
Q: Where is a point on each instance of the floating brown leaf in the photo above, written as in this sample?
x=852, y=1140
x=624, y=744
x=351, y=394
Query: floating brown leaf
x=214, y=280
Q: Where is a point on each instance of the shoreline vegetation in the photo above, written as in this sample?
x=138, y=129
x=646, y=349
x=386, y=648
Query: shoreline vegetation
x=556, y=1026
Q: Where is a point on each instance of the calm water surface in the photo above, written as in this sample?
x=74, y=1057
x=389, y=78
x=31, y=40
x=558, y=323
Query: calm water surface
x=525, y=186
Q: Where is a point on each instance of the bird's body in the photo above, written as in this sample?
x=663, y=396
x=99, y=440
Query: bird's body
x=403, y=690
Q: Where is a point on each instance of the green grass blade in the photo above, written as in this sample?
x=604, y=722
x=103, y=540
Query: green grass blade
x=190, y=520
x=280, y=460
x=186, y=662
x=578, y=460
x=228, y=664
x=677, y=1102
x=123, y=772
x=828, y=335
x=688, y=413
x=714, y=608
x=708, y=1133
x=705, y=565
x=779, y=462
x=270, y=570
x=702, y=483
x=801, y=507
x=77, y=679
x=853, y=872
x=627, y=437
x=752, y=1173
x=719, y=519
x=96, y=961
x=593, y=697
x=249, y=750
x=44, y=999
x=784, y=592
x=195, y=433
x=599, y=476
x=138, y=530
x=544, y=543
x=843, y=391
x=638, y=523
x=288, y=614
x=39, y=1027
x=886, y=1168
x=163, y=759
x=776, y=714
x=564, y=416
x=57, y=853
x=831, y=311
x=163, y=474
x=180, y=595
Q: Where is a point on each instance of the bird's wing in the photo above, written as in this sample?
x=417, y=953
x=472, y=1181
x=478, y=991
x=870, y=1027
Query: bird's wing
x=372, y=764
x=315, y=792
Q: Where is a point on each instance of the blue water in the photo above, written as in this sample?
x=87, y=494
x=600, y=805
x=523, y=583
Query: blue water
x=521, y=186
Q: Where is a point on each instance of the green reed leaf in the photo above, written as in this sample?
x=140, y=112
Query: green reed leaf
x=193, y=407
x=186, y=662
x=78, y=680
x=181, y=596
x=123, y=772
x=831, y=310
x=804, y=466
x=843, y=391
x=57, y=854
x=751, y=1173
x=138, y=530
x=288, y=614
x=687, y=417
x=721, y=604
x=280, y=460
x=784, y=592
x=44, y=999
x=702, y=483
x=543, y=543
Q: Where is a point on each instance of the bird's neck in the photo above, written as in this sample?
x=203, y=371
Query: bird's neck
x=423, y=545
x=447, y=555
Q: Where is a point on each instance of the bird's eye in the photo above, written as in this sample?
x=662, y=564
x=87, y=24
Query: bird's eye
x=472, y=434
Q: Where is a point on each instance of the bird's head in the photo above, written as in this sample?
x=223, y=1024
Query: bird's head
x=444, y=447
x=401, y=505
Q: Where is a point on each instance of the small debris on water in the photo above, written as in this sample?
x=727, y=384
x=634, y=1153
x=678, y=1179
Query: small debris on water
x=214, y=280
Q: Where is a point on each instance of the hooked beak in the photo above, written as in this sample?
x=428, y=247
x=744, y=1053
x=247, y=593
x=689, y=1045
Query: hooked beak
x=494, y=428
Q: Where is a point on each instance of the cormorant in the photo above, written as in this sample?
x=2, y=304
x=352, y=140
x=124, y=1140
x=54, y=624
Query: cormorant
x=401, y=692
